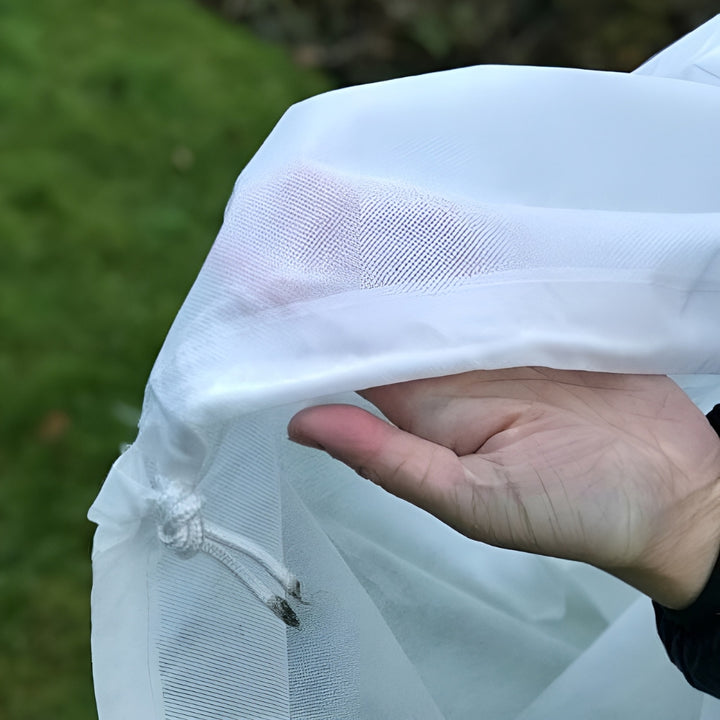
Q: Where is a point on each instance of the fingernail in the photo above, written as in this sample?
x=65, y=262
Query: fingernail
x=306, y=442
x=367, y=474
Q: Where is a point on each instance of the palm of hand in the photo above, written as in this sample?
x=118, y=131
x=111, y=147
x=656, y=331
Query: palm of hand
x=604, y=468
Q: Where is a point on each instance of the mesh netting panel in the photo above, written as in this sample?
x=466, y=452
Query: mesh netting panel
x=221, y=654
x=358, y=234
x=481, y=218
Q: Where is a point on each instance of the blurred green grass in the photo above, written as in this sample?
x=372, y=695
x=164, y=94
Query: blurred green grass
x=122, y=128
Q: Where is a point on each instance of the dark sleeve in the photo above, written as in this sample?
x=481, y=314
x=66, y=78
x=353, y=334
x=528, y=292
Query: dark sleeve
x=692, y=636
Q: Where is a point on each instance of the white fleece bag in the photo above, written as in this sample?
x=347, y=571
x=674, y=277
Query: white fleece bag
x=479, y=218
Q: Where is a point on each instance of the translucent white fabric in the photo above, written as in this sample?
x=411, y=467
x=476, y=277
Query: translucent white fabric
x=479, y=218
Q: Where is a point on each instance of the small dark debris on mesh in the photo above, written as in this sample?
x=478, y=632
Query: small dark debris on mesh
x=281, y=608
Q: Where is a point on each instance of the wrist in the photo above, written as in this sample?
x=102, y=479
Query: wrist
x=685, y=563
x=676, y=573
x=703, y=609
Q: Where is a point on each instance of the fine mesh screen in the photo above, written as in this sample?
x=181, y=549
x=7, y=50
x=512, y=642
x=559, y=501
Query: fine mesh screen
x=481, y=218
x=358, y=234
x=211, y=632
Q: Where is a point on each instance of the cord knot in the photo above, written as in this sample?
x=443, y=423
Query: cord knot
x=180, y=525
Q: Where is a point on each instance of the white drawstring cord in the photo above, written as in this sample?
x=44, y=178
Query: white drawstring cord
x=248, y=547
x=182, y=528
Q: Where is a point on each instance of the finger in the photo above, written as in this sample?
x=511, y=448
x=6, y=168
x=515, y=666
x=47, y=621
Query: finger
x=417, y=470
x=401, y=400
x=408, y=404
x=402, y=403
x=461, y=411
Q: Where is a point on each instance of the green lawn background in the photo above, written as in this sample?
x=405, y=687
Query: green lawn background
x=122, y=128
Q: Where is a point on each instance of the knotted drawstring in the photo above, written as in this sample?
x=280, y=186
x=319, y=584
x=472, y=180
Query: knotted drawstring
x=182, y=528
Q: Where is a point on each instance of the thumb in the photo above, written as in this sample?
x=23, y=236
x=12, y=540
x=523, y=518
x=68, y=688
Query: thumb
x=415, y=469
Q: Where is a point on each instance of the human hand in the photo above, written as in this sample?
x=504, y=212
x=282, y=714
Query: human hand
x=619, y=471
